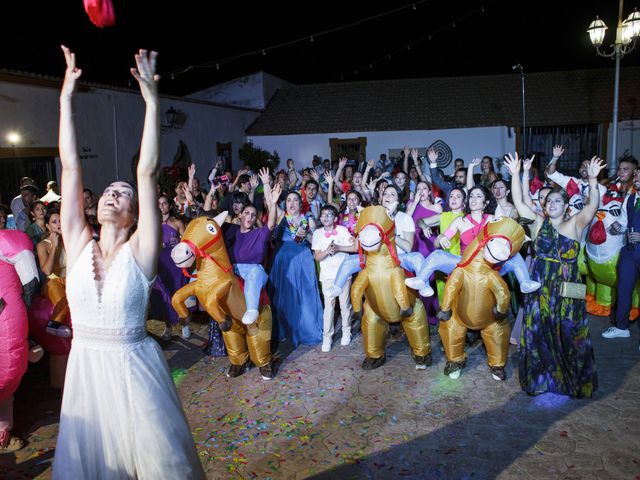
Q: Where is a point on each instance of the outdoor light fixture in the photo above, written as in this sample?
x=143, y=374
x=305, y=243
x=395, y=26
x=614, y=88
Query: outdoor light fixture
x=173, y=118
x=596, y=31
x=626, y=35
x=13, y=138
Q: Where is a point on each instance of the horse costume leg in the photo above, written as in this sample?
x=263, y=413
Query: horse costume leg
x=400, y=293
x=259, y=338
x=496, y=340
x=179, y=298
x=417, y=331
x=236, y=343
x=373, y=332
x=452, y=335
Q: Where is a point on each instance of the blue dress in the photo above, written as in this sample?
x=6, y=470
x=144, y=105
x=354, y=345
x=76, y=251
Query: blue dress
x=294, y=290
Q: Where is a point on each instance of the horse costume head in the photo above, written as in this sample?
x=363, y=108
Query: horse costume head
x=202, y=239
x=375, y=228
x=499, y=240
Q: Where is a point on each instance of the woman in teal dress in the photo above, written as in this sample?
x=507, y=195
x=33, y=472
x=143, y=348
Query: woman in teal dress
x=556, y=353
x=294, y=292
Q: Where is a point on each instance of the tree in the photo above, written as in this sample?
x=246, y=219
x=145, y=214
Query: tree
x=257, y=158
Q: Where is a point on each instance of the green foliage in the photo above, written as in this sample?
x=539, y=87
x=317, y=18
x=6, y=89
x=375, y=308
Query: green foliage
x=256, y=158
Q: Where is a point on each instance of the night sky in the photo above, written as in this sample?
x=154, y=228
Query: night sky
x=488, y=38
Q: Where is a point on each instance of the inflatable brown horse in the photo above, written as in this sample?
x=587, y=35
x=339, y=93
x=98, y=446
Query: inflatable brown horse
x=381, y=282
x=219, y=291
x=477, y=297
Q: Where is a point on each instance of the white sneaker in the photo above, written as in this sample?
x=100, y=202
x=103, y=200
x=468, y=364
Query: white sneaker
x=415, y=283
x=250, y=316
x=186, y=332
x=455, y=375
x=346, y=339
x=326, y=345
x=615, y=332
x=426, y=291
x=166, y=335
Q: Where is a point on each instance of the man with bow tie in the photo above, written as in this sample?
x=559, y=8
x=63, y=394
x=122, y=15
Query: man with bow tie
x=330, y=246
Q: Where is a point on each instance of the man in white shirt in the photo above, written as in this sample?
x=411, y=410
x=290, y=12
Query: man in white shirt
x=330, y=245
x=21, y=203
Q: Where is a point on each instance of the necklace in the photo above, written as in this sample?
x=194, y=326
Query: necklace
x=293, y=228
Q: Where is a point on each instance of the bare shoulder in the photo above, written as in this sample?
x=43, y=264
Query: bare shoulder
x=144, y=254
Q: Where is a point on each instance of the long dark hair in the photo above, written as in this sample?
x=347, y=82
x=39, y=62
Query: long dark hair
x=490, y=201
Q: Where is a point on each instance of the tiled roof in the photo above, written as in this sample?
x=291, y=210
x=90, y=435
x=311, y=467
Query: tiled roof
x=552, y=99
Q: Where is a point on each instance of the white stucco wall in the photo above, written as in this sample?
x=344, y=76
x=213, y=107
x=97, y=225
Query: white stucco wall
x=109, y=125
x=628, y=138
x=251, y=91
x=464, y=143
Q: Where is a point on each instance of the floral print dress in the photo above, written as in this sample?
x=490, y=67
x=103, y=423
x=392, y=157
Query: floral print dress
x=556, y=353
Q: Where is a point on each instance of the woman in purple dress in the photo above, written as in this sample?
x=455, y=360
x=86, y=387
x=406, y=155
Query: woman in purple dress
x=170, y=278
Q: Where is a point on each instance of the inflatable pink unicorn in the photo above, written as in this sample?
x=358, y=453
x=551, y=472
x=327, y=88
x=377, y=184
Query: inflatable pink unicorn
x=18, y=275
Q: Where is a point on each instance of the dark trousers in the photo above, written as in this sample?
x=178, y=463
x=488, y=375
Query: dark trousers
x=628, y=275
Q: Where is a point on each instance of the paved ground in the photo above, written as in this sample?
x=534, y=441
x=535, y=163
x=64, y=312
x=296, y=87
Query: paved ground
x=323, y=417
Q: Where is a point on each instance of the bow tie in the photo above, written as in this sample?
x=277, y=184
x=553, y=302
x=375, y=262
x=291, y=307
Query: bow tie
x=331, y=233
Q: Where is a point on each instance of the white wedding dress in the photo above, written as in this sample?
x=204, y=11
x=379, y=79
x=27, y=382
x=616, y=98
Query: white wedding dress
x=121, y=416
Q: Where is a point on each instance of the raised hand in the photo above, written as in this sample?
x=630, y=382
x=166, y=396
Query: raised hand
x=328, y=176
x=527, y=162
x=405, y=152
x=414, y=154
x=596, y=165
x=432, y=155
x=275, y=193
x=253, y=181
x=371, y=163
x=145, y=74
x=71, y=74
x=475, y=162
x=315, y=175
x=264, y=175
x=513, y=164
x=342, y=163
x=558, y=150
x=187, y=193
x=192, y=170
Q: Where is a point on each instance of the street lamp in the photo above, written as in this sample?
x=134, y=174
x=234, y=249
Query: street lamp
x=13, y=138
x=626, y=36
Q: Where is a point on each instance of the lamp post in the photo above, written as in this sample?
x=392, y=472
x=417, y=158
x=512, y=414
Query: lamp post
x=626, y=35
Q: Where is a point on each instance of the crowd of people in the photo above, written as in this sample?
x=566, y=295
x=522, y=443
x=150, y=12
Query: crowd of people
x=292, y=232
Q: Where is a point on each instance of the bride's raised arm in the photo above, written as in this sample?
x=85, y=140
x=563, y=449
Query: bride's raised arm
x=75, y=230
x=145, y=243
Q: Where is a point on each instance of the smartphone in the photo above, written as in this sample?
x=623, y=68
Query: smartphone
x=222, y=179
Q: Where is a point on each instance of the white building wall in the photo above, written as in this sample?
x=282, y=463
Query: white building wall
x=251, y=91
x=628, y=138
x=465, y=143
x=109, y=127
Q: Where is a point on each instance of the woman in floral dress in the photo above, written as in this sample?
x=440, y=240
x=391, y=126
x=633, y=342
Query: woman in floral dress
x=556, y=353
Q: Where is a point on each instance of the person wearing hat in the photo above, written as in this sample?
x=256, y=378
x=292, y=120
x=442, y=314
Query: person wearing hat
x=21, y=204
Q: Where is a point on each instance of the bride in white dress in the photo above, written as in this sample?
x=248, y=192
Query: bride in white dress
x=121, y=416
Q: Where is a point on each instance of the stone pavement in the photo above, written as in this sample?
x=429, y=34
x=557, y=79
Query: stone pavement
x=323, y=417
